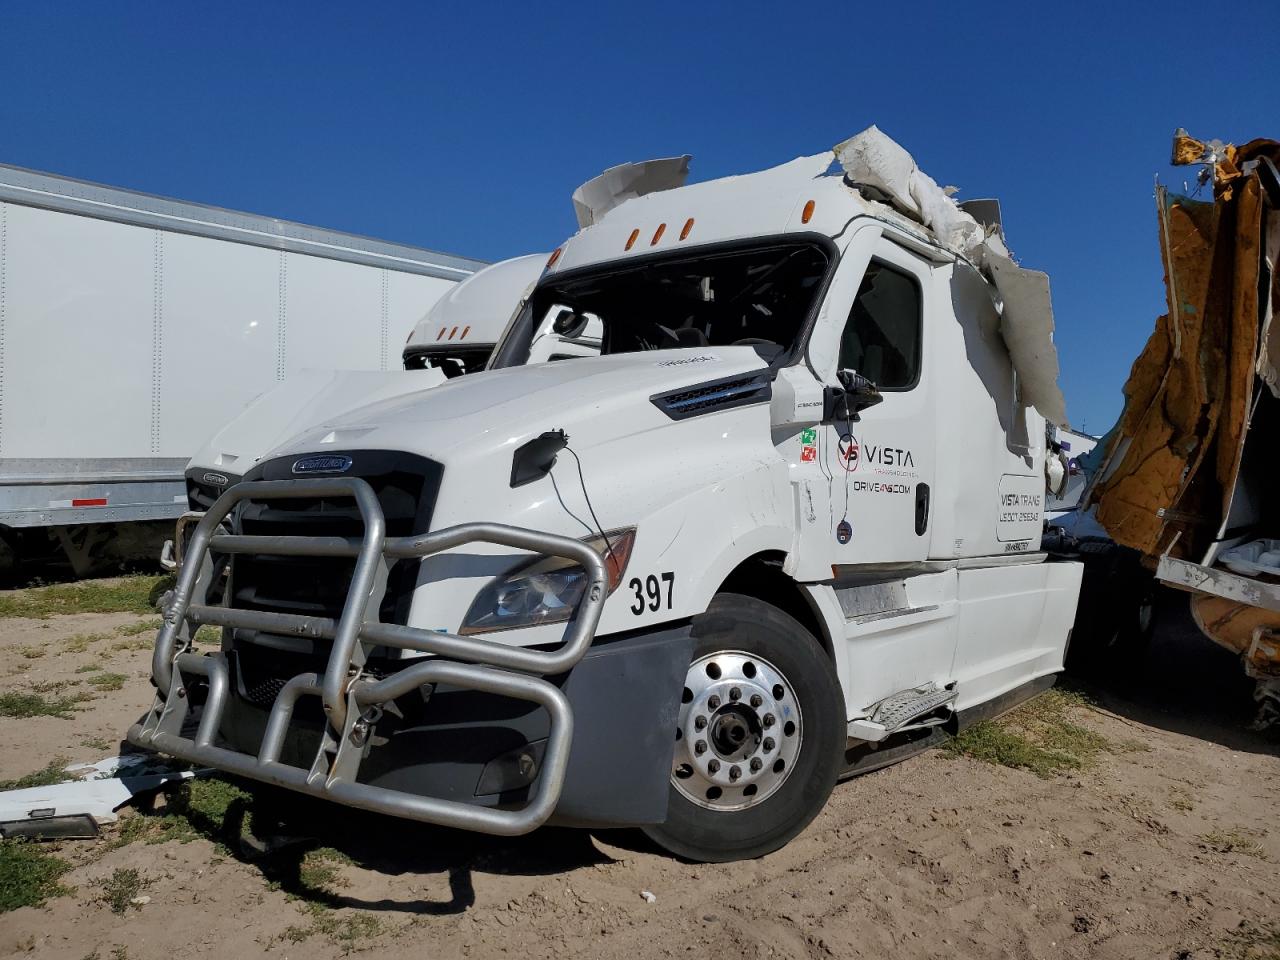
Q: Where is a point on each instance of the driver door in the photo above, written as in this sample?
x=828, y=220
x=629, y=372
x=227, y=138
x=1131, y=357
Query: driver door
x=876, y=468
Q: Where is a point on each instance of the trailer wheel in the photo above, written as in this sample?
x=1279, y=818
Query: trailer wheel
x=760, y=735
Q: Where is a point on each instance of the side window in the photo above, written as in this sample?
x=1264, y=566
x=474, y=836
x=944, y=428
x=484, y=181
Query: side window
x=882, y=336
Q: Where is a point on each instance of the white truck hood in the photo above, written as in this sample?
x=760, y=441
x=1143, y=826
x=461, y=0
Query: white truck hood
x=307, y=397
x=602, y=395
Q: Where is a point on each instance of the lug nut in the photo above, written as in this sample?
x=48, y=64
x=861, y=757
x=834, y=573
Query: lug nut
x=734, y=772
x=756, y=764
x=714, y=703
x=735, y=694
x=756, y=700
x=769, y=720
x=700, y=747
x=699, y=723
x=768, y=744
x=713, y=766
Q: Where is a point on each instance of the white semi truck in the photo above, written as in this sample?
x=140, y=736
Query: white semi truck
x=785, y=526
x=131, y=326
x=457, y=336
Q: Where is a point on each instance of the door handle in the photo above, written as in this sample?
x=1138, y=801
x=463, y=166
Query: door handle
x=922, y=508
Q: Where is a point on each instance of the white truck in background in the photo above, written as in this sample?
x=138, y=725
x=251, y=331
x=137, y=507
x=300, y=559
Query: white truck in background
x=457, y=336
x=784, y=527
x=132, y=326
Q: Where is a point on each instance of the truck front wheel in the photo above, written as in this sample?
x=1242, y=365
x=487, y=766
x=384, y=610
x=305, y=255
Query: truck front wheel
x=760, y=735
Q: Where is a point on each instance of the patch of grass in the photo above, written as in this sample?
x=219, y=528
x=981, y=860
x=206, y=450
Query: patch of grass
x=212, y=808
x=1038, y=736
x=137, y=643
x=53, y=772
x=121, y=888
x=25, y=705
x=28, y=875
x=208, y=635
x=142, y=626
x=53, y=686
x=318, y=872
x=136, y=594
x=344, y=929
x=79, y=643
x=99, y=743
x=32, y=653
x=1235, y=840
x=107, y=681
x=1252, y=942
x=1181, y=800
x=88, y=668
x=138, y=636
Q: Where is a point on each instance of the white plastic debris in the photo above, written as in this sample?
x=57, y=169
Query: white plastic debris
x=648, y=896
x=1026, y=323
x=874, y=159
x=93, y=798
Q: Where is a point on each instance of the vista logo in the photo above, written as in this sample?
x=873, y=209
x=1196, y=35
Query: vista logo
x=322, y=464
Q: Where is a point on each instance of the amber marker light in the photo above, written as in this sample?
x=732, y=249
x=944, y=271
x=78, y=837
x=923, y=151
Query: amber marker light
x=551, y=260
x=807, y=214
x=688, y=225
x=657, y=234
x=631, y=240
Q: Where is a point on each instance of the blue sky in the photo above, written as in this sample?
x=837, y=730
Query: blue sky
x=465, y=127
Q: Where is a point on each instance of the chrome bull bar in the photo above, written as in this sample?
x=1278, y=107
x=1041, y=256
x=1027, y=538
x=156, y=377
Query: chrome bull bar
x=349, y=699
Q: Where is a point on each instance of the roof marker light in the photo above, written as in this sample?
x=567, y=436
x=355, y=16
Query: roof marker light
x=465, y=331
x=440, y=335
x=452, y=332
x=551, y=260
x=631, y=240
x=688, y=225
x=807, y=214
x=657, y=234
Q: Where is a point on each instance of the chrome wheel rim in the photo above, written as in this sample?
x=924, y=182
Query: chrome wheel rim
x=738, y=734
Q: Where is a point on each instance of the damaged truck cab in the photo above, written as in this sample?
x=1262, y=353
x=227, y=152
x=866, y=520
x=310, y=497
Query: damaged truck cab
x=783, y=527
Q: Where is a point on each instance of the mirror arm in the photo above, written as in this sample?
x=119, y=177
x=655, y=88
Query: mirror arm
x=847, y=401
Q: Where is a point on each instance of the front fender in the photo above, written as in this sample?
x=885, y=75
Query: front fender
x=690, y=546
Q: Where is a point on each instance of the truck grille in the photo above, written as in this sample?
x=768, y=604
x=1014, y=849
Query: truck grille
x=406, y=488
x=205, y=486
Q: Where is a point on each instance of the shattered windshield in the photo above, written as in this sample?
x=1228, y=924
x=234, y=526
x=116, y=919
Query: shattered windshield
x=760, y=294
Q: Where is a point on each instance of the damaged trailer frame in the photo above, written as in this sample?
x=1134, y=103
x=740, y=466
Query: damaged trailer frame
x=1189, y=475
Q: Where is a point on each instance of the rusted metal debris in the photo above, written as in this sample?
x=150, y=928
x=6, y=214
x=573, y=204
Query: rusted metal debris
x=1191, y=468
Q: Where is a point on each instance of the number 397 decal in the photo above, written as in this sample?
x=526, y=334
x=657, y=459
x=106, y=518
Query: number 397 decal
x=649, y=593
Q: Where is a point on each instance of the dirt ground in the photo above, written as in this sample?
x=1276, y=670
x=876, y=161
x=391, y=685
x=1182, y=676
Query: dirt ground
x=1164, y=847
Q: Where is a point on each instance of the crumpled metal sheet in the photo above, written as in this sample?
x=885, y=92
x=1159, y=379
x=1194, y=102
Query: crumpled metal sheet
x=599, y=195
x=1175, y=454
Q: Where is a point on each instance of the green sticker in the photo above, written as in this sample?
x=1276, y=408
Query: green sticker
x=808, y=435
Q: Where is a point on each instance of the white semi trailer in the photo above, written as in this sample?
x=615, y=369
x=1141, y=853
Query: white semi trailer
x=784, y=526
x=132, y=326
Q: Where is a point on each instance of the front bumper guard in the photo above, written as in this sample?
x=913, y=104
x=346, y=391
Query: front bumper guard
x=351, y=700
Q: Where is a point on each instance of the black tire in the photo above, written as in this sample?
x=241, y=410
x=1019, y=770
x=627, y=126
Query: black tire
x=736, y=623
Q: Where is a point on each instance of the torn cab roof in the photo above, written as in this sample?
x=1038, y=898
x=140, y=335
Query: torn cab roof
x=646, y=208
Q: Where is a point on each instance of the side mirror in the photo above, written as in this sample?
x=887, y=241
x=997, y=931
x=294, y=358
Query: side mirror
x=569, y=324
x=845, y=402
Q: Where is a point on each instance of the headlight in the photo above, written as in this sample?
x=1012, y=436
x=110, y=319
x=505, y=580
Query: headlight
x=544, y=591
